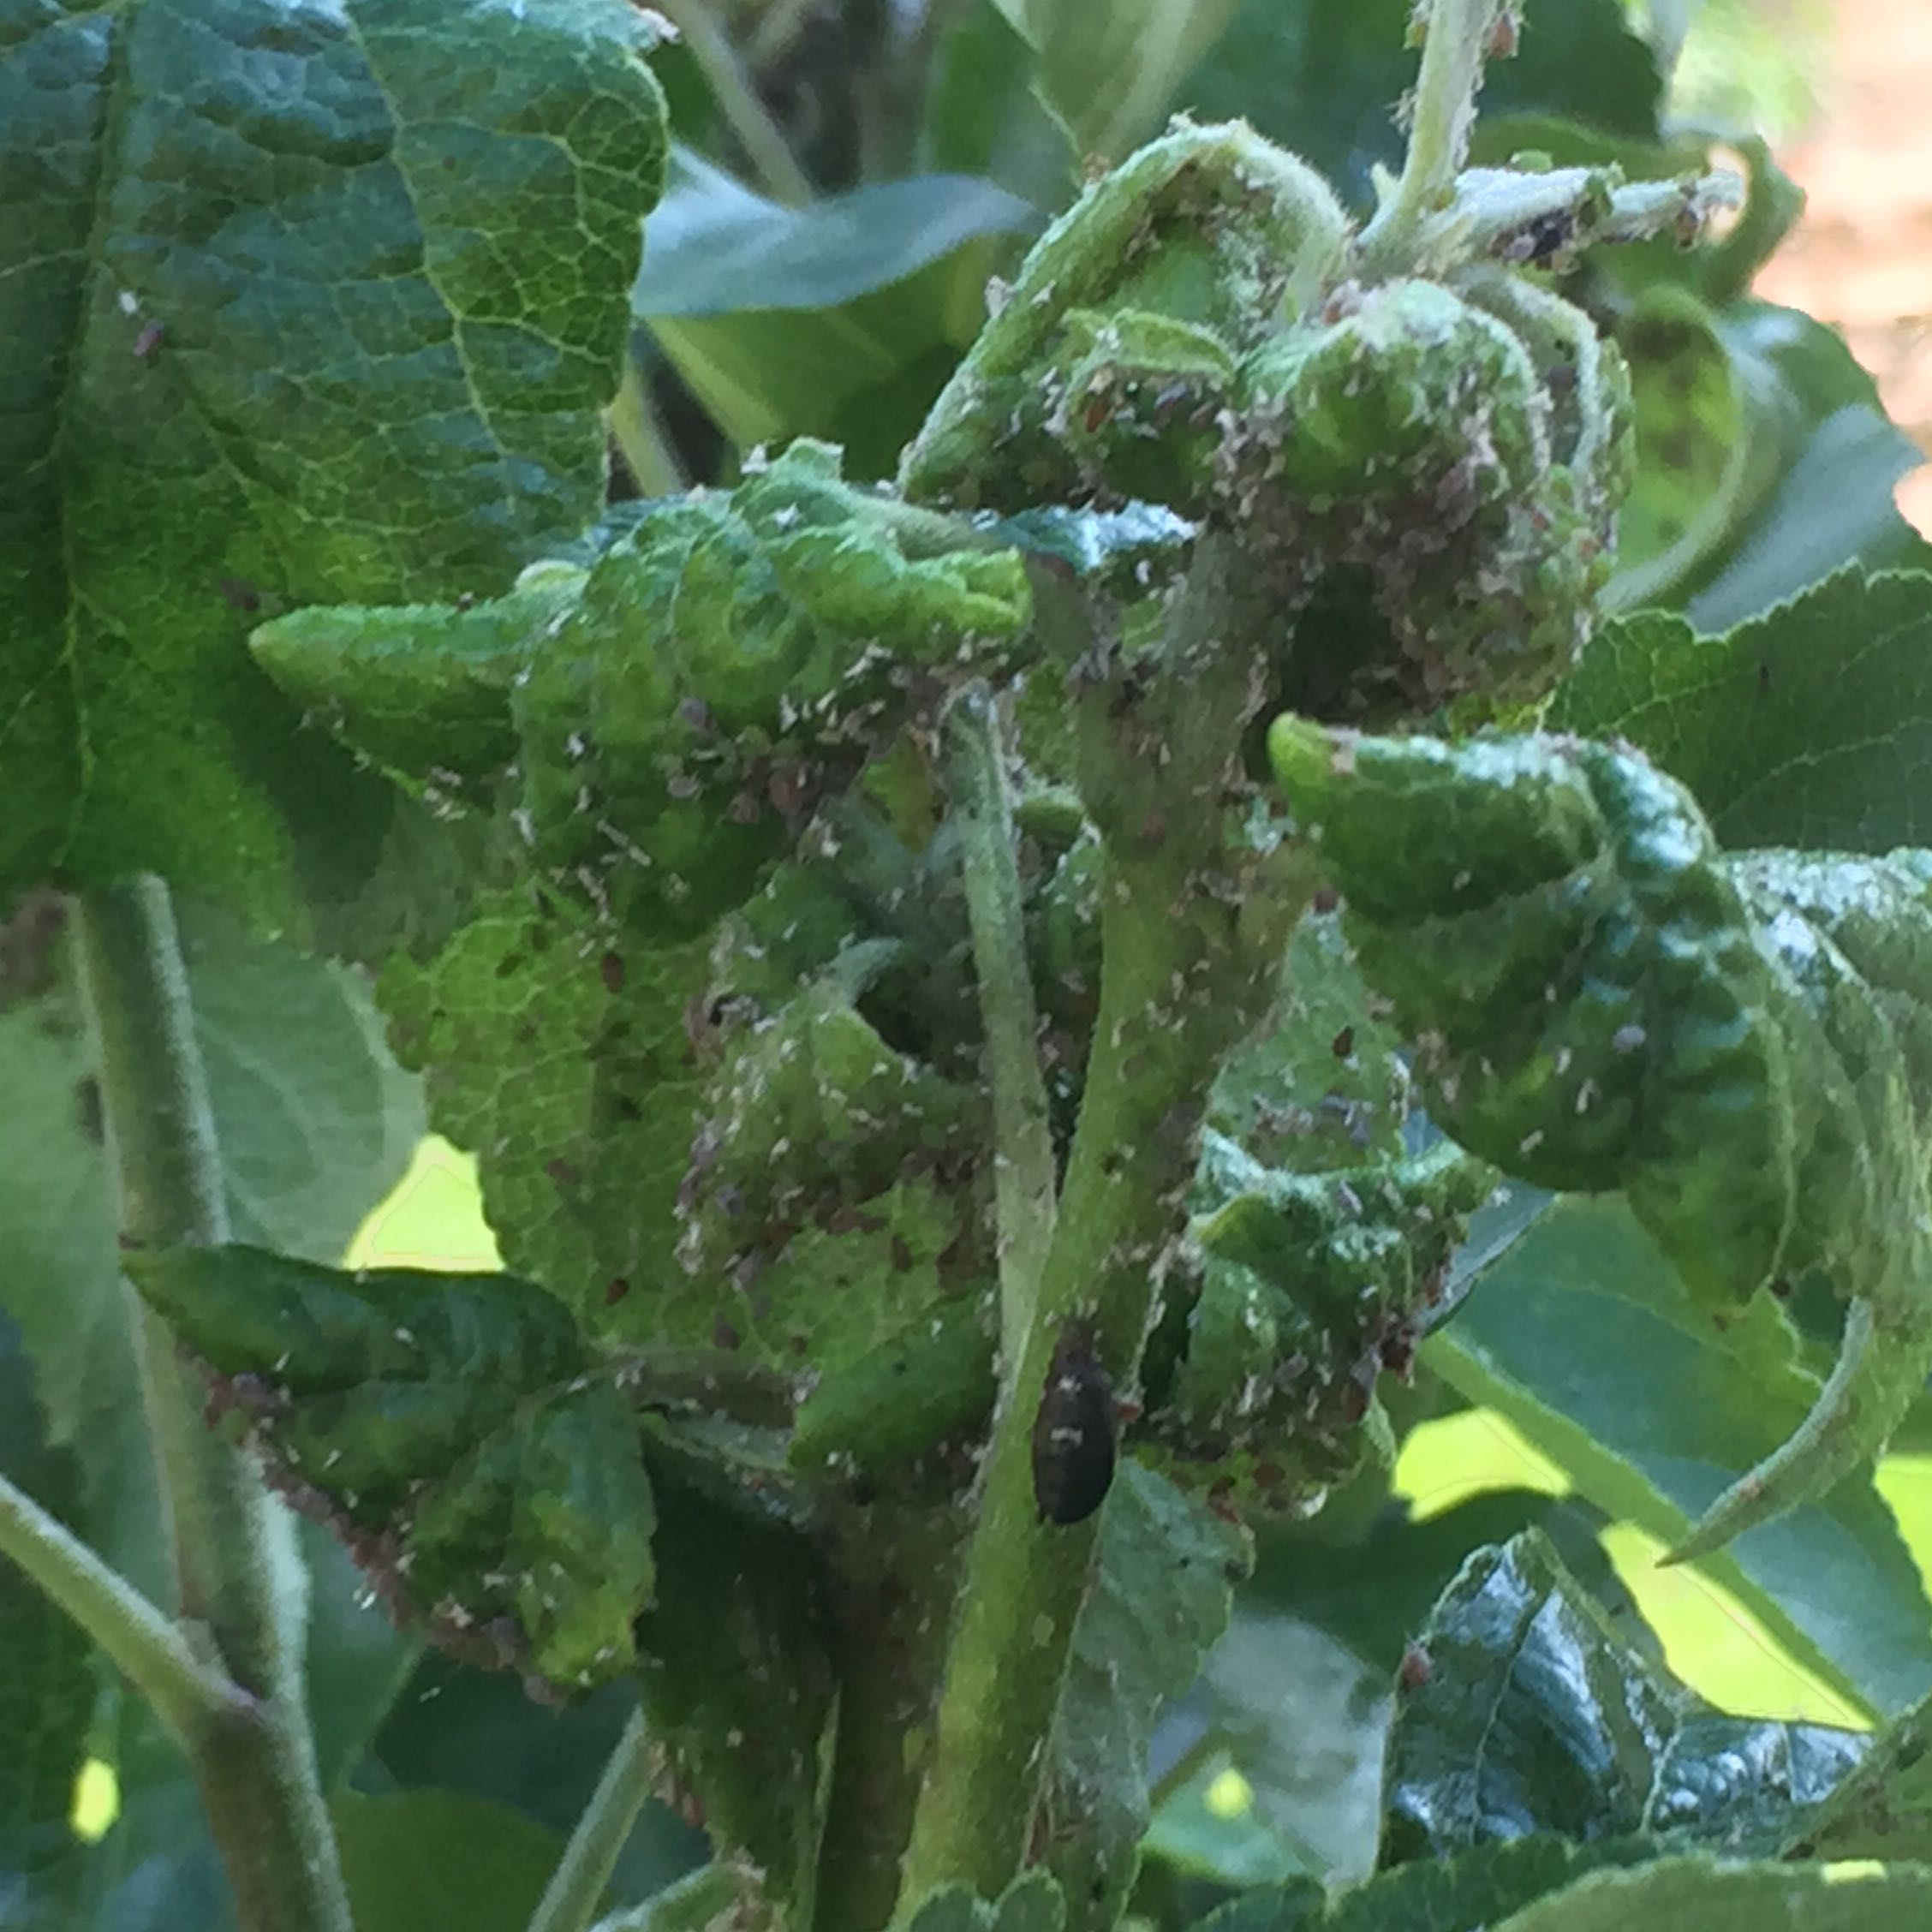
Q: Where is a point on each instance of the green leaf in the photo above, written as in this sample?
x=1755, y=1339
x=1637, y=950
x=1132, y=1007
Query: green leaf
x=1302, y=1721
x=477, y=1732
x=451, y=1427
x=47, y=1693
x=1707, y=445
x=1032, y=1903
x=1810, y=725
x=1161, y=1596
x=801, y=321
x=297, y=311
x=1468, y=1890
x=1532, y=1715
x=564, y=1058
x=1842, y=455
x=1322, y=77
x=431, y=1861
x=1108, y=69
x=1697, y=1895
x=1883, y=1808
x=1733, y=1042
x=983, y=115
x=735, y=1675
x=1323, y=1085
x=716, y=246
x=316, y=1120
x=1580, y=1337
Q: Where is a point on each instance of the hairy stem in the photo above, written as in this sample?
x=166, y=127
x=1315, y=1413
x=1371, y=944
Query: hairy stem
x=1023, y=1137
x=191, y=1698
x=1453, y=53
x=1176, y=989
x=236, y=1572
x=757, y=133
x=570, y=1899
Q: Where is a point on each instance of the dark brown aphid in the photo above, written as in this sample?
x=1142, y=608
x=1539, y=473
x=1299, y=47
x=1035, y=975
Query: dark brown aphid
x=1073, y=1435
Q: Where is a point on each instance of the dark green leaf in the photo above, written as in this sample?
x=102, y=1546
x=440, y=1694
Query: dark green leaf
x=1696, y=1895
x=47, y=1690
x=1323, y=77
x=1840, y=457
x=432, y=1861
x=1469, y=1891
x=735, y=1677
x=451, y=1427
x=298, y=307
x=1161, y=1596
x=475, y=1732
x=1530, y=1714
x=1809, y=726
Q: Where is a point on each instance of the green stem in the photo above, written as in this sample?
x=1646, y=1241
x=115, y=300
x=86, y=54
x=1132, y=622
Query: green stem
x=1453, y=53
x=1022, y=1136
x=237, y=1573
x=190, y=1698
x=640, y=436
x=570, y=1898
x=759, y=134
x=1176, y=989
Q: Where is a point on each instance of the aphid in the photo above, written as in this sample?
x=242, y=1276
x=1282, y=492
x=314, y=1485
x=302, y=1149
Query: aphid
x=1073, y=1435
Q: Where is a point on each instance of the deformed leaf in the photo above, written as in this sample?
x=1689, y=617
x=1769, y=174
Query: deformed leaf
x=452, y=1429
x=1531, y=1715
x=1605, y=1001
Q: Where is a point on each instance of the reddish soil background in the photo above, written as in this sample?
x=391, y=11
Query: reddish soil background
x=1861, y=256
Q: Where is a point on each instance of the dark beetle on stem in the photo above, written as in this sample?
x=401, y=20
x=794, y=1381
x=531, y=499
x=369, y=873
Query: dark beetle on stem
x=1073, y=1435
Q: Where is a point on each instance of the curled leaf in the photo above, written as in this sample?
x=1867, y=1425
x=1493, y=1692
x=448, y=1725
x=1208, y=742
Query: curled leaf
x=452, y=1428
x=1603, y=999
